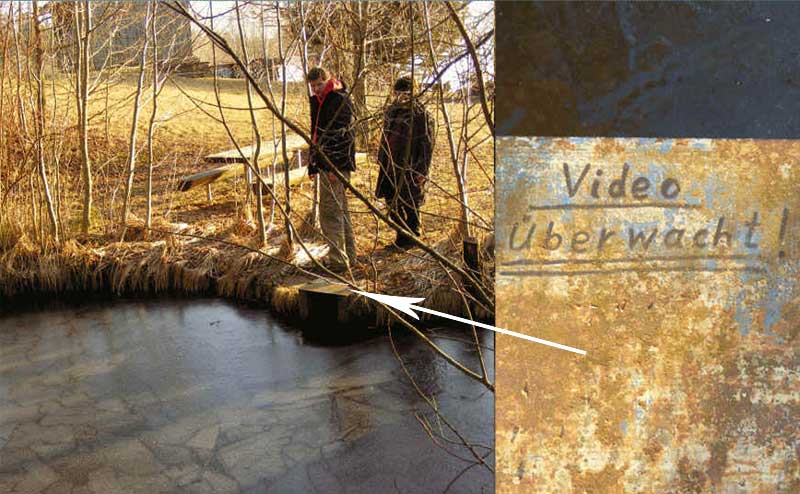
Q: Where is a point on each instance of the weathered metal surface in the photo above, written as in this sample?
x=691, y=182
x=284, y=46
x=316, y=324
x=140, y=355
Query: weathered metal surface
x=680, y=281
x=656, y=69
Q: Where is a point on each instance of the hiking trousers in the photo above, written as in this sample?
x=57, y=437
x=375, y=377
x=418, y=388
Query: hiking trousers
x=334, y=217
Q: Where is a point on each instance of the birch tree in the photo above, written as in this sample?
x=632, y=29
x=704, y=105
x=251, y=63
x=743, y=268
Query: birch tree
x=39, y=115
x=83, y=25
x=135, y=122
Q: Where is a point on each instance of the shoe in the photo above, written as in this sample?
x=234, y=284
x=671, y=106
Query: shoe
x=404, y=243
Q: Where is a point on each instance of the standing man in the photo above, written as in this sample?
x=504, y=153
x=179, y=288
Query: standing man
x=406, y=149
x=332, y=131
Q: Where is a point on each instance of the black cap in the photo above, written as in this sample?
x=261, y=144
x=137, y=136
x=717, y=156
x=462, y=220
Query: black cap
x=404, y=84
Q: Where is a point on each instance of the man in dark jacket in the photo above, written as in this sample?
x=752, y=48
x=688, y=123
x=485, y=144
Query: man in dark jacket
x=406, y=149
x=332, y=131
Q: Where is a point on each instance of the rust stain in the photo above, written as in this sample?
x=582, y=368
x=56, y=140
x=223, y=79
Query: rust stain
x=692, y=378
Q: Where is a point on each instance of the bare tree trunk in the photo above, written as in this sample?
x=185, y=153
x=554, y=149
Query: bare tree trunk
x=39, y=114
x=36, y=196
x=2, y=114
x=247, y=213
x=83, y=111
x=288, y=222
x=314, y=220
x=20, y=102
x=269, y=77
x=478, y=73
x=304, y=40
x=107, y=114
x=57, y=142
x=460, y=182
x=134, y=124
x=34, y=208
x=462, y=172
x=462, y=175
x=262, y=230
x=151, y=124
x=359, y=81
x=248, y=174
x=21, y=108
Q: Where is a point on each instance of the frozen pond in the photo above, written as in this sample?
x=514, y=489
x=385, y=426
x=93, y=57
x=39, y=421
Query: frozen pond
x=206, y=396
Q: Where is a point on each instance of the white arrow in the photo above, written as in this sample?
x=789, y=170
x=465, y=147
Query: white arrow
x=405, y=305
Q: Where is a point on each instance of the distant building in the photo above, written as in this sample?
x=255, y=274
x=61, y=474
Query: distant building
x=272, y=69
x=119, y=31
x=260, y=32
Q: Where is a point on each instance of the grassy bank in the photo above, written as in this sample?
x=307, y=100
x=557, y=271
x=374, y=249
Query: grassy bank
x=198, y=267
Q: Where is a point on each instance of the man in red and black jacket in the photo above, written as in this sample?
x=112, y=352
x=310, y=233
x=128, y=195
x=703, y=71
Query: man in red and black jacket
x=332, y=130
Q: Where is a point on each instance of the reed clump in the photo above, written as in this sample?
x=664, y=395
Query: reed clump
x=172, y=266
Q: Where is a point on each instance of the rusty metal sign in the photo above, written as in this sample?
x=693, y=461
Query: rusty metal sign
x=674, y=264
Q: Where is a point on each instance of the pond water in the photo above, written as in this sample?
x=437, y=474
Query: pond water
x=206, y=396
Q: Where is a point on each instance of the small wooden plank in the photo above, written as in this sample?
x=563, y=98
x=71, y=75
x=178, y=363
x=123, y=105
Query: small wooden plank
x=293, y=143
x=326, y=288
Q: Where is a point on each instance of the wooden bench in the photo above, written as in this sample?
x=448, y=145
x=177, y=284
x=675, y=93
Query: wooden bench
x=234, y=163
x=268, y=151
